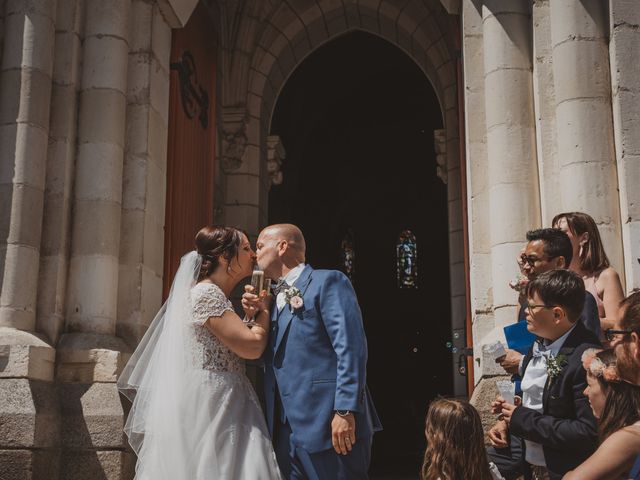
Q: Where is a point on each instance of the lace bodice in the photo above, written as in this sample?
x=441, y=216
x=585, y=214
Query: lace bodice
x=210, y=353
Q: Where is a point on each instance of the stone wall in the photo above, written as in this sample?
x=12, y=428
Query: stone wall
x=83, y=134
x=564, y=67
x=84, y=90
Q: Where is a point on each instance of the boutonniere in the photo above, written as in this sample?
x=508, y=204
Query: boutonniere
x=293, y=297
x=555, y=364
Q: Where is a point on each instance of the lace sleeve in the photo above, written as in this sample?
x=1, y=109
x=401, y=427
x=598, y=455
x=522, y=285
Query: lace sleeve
x=208, y=301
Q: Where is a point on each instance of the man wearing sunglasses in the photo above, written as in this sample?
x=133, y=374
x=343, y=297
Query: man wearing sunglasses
x=548, y=249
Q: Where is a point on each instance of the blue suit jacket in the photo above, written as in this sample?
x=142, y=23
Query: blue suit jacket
x=316, y=358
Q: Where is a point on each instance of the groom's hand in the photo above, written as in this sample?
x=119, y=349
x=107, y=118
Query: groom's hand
x=343, y=433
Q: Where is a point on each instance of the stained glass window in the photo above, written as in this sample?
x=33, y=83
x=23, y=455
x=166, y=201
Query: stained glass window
x=348, y=254
x=407, y=260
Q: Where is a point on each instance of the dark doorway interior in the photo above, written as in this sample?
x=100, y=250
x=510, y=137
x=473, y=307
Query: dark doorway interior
x=357, y=120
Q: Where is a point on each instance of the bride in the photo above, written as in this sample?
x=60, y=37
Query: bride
x=195, y=415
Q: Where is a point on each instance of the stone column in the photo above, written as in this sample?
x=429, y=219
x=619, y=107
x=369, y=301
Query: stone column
x=54, y=255
x=511, y=144
x=27, y=64
x=89, y=355
x=27, y=405
x=583, y=117
x=144, y=177
x=477, y=176
x=244, y=164
x=93, y=272
x=624, y=47
x=545, y=108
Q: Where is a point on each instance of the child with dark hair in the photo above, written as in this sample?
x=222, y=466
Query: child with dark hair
x=616, y=404
x=554, y=417
x=455, y=443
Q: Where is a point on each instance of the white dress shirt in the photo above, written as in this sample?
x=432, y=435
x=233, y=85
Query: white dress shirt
x=533, y=382
x=290, y=278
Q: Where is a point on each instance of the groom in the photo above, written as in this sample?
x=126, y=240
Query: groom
x=318, y=408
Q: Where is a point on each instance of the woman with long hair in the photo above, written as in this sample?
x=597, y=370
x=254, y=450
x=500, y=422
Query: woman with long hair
x=616, y=406
x=194, y=414
x=455, y=443
x=591, y=262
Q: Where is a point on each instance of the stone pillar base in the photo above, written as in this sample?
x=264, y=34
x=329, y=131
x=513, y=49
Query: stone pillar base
x=91, y=412
x=90, y=357
x=485, y=393
x=30, y=429
x=29, y=464
x=98, y=464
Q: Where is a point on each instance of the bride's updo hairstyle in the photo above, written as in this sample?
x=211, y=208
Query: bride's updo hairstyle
x=214, y=243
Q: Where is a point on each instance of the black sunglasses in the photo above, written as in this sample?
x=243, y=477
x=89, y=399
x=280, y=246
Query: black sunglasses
x=610, y=333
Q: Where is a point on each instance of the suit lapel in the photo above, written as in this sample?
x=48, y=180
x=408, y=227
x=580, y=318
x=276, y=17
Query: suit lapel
x=574, y=339
x=285, y=316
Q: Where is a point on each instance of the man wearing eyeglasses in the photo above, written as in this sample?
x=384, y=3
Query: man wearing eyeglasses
x=624, y=338
x=548, y=249
x=554, y=417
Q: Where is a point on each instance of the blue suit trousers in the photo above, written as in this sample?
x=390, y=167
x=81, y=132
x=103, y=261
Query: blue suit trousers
x=298, y=464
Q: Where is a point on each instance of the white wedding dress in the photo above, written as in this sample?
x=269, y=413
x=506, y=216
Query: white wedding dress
x=195, y=416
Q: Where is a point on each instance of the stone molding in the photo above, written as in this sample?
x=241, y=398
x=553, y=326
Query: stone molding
x=177, y=12
x=275, y=155
x=90, y=357
x=452, y=6
x=440, y=144
x=234, y=138
x=25, y=355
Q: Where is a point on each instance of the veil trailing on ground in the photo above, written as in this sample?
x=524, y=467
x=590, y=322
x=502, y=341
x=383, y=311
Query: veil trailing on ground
x=158, y=381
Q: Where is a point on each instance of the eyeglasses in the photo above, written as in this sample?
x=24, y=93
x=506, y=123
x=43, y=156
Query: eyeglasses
x=531, y=306
x=610, y=334
x=531, y=260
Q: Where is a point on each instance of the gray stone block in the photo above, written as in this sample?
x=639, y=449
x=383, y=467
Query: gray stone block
x=97, y=465
x=29, y=464
x=92, y=416
x=28, y=414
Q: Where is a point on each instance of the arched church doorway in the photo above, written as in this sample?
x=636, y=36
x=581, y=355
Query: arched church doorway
x=357, y=120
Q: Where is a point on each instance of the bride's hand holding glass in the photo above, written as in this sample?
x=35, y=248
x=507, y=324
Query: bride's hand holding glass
x=253, y=303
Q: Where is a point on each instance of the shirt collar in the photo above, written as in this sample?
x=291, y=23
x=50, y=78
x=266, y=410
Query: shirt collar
x=556, y=345
x=294, y=273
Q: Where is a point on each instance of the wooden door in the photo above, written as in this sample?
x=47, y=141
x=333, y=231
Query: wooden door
x=190, y=154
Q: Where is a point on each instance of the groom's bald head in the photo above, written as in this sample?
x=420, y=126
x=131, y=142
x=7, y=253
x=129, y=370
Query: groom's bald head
x=289, y=233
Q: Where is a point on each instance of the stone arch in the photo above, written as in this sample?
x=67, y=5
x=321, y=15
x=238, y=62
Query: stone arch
x=290, y=32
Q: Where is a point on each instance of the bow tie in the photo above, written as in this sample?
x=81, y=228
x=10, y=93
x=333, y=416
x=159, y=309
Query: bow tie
x=281, y=286
x=540, y=350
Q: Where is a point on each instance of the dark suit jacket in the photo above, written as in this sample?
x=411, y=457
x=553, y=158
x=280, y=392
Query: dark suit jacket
x=566, y=428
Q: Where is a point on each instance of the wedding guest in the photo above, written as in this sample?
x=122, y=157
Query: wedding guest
x=554, y=418
x=455, y=443
x=625, y=339
x=548, y=249
x=590, y=261
x=616, y=405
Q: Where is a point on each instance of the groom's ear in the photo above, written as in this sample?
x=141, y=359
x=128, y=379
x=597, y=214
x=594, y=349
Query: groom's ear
x=283, y=247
